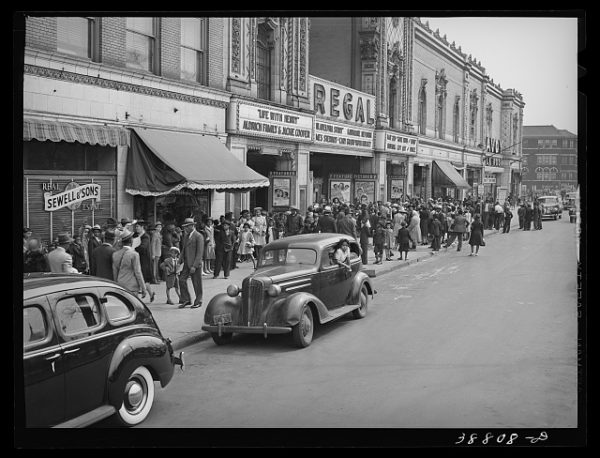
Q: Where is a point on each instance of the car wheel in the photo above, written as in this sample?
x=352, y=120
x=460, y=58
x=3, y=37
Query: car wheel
x=222, y=339
x=361, y=312
x=138, y=397
x=302, y=333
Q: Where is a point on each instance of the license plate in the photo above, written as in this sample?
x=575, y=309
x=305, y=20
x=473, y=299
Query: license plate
x=224, y=318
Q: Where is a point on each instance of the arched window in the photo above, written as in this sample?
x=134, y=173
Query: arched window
x=539, y=174
x=473, y=106
x=422, y=110
x=554, y=173
x=392, y=102
x=546, y=174
x=263, y=63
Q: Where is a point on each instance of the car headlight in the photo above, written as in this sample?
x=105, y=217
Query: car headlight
x=233, y=290
x=274, y=290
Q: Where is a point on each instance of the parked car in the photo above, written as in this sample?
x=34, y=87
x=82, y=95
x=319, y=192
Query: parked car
x=91, y=350
x=550, y=206
x=296, y=284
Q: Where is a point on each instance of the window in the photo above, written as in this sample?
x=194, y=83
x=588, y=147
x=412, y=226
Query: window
x=441, y=114
x=263, y=63
x=76, y=36
x=141, y=43
x=35, y=327
x=392, y=102
x=554, y=143
x=117, y=309
x=193, y=49
x=553, y=173
x=50, y=155
x=288, y=256
x=539, y=175
x=77, y=314
x=422, y=111
x=456, y=120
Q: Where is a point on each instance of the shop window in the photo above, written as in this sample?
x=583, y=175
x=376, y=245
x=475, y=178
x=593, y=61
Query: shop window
x=141, y=43
x=77, y=36
x=193, y=49
x=65, y=156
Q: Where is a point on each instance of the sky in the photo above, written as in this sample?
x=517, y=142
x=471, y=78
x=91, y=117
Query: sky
x=535, y=56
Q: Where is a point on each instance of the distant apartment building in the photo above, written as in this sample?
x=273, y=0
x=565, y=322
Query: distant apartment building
x=549, y=160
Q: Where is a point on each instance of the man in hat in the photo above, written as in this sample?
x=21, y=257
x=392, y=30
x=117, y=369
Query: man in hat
x=155, y=249
x=124, y=224
x=102, y=266
x=26, y=236
x=58, y=259
x=326, y=223
x=191, y=257
x=293, y=223
x=94, y=242
x=224, y=245
x=346, y=224
x=126, y=266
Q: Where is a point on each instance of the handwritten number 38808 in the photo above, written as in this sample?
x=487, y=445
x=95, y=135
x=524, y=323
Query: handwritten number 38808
x=500, y=439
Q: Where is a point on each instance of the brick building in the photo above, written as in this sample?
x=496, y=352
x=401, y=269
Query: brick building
x=549, y=160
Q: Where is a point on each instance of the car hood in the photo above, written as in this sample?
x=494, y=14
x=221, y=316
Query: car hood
x=277, y=273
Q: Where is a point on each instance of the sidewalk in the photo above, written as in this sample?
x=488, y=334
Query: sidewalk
x=183, y=326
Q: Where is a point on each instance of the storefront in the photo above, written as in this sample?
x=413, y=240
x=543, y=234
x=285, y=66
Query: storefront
x=492, y=171
x=272, y=140
x=342, y=164
x=174, y=175
x=69, y=175
x=446, y=180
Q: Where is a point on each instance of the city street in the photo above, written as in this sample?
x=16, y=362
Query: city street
x=453, y=341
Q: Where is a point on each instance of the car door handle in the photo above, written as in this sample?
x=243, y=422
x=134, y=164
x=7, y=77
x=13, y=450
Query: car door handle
x=53, y=357
x=72, y=351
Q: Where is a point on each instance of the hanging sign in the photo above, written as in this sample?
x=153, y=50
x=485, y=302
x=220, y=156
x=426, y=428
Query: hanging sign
x=71, y=196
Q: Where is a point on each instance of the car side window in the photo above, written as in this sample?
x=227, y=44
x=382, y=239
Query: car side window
x=328, y=258
x=35, y=325
x=118, y=309
x=77, y=314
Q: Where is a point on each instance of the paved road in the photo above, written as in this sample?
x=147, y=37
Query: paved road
x=450, y=342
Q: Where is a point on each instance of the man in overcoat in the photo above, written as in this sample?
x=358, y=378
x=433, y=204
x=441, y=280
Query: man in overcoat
x=102, y=257
x=192, y=251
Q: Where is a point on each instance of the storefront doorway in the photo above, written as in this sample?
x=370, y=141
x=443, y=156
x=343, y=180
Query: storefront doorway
x=324, y=165
x=174, y=207
x=263, y=164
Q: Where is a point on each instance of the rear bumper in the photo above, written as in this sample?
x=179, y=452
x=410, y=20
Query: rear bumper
x=249, y=329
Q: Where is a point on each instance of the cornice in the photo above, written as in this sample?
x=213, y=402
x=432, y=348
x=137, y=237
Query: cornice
x=52, y=73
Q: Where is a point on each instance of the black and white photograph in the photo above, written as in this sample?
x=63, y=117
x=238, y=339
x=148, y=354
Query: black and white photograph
x=300, y=229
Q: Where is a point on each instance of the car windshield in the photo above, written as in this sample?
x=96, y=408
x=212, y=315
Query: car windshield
x=548, y=200
x=287, y=256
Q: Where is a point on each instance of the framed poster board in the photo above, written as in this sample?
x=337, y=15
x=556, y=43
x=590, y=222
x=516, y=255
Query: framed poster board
x=281, y=192
x=396, y=188
x=340, y=189
x=364, y=191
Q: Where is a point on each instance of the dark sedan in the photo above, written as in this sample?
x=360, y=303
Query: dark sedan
x=296, y=285
x=91, y=350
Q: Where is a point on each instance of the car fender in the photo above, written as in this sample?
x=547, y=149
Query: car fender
x=288, y=311
x=140, y=350
x=223, y=303
x=360, y=279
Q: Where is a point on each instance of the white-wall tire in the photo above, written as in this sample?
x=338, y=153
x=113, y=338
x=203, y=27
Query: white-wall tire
x=138, y=397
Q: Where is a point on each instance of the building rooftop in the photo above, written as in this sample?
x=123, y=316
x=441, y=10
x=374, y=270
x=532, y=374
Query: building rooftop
x=546, y=131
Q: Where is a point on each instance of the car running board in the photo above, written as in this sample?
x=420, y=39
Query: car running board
x=87, y=419
x=338, y=312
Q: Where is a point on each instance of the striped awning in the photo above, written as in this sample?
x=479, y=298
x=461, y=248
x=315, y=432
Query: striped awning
x=57, y=131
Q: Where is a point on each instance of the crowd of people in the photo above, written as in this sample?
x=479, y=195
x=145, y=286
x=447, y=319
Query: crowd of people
x=140, y=255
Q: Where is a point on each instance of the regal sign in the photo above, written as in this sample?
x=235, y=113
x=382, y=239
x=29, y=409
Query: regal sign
x=71, y=196
x=341, y=103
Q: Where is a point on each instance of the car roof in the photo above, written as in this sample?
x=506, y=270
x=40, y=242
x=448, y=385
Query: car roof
x=314, y=241
x=37, y=284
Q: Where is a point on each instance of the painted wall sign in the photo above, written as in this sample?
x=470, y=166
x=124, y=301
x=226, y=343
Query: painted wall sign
x=337, y=102
x=71, y=196
x=266, y=121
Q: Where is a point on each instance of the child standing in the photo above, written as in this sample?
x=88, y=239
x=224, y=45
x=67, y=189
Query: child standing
x=388, y=240
x=378, y=242
x=170, y=269
x=246, y=244
x=404, y=239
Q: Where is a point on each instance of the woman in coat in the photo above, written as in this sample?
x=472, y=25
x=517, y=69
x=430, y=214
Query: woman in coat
x=414, y=228
x=425, y=216
x=476, y=238
x=143, y=250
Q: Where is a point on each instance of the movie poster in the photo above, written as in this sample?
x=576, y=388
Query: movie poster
x=339, y=190
x=364, y=191
x=281, y=192
x=397, y=191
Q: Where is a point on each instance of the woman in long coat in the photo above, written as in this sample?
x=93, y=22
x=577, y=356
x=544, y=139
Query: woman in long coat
x=476, y=238
x=144, y=251
x=414, y=228
x=424, y=215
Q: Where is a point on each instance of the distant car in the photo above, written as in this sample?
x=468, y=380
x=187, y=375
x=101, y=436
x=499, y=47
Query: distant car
x=91, y=350
x=296, y=284
x=550, y=206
